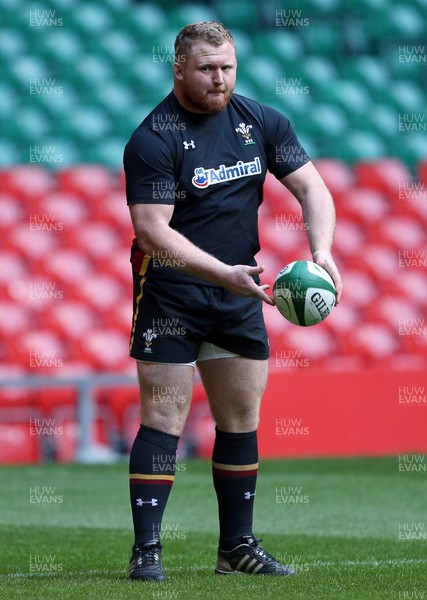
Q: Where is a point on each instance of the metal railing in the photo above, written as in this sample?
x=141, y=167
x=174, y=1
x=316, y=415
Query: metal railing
x=87, y=449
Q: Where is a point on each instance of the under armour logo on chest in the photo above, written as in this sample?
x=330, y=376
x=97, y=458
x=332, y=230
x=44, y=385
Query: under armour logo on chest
x=189, y=144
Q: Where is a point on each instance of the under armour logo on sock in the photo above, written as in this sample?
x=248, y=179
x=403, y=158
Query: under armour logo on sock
x=248, y=495
x=153, y=502
x=190, y=144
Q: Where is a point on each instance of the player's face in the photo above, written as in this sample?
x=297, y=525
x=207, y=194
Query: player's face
x=205, y=79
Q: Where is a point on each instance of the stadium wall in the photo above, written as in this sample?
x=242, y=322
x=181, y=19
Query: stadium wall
x=372, y=412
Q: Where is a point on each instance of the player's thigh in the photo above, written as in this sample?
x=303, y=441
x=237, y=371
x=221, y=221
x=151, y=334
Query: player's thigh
x=235, y=387
x=165, y=392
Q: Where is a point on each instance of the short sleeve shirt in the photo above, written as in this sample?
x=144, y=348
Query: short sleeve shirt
x=211, y=168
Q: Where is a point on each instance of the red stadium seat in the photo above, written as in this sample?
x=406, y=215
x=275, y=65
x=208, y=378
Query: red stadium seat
x=14, y=319
x=349, y=238
x=69, y=319
x=365, y=206
x=278, y=198
x=379, y=261
x=90, y=182
x=17, y=446
x=401, y=233
x=13, y=273
x=422, y=173
x=107, y=350
x=306, y=346
x=283, y=234
x=11, y=211
x=27, y=183
x=68, y=266
x=39, y=351
x=35, y=244
x=114, y=210
x=373, y=341
x=362, y=290
x=413, y=284
x=102, y=292
x=68, y=209
x=336, y=174
x=117, y=265
x=387, y=175
x=391, y=310
x=96, y=239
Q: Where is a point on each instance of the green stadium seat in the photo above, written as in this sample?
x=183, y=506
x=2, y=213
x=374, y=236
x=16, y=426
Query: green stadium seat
x=284, y=46
x=12, y=44
x=407, y=96
x=367, y=70
x=92, y=19
x=119, y=46
x=143, y=20
x=323, y=37
x=315, y=72
x=239, y=14
x=325, y=121
x=351, y=96
x=191, y=13
x=357, y=145
x=398, y=20
x=115, y=96
x=64, y=46
x=88, y=124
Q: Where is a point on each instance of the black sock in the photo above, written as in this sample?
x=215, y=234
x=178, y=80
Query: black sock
x=151, y=475
x=234, y=469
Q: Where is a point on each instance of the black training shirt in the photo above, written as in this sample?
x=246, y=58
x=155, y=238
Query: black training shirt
x=211, y=167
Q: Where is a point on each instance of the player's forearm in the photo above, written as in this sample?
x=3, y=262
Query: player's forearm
x=319, y=215
x=169, y=248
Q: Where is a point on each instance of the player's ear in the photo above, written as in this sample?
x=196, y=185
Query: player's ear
x=177, y=70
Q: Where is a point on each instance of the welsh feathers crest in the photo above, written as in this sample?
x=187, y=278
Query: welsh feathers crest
x=245, y=131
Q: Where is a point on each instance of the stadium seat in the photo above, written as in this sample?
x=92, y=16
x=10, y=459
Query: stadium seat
x=311, y=345
x=69, y=319
x=378, y=261
x=107, y=349
x=96, y=239
x=383, y=175
x=365, y=207
x=39, y=351
x=117, y=265
x=14, y=319
x=13, y=268
x=27, y=183
x=391, y=310
x=16, y=445
x=68, y=209
x=68, y=266
x=101, y=291
x=400, y=233
x=372, y=341
x=363, y=289
x=349, y=237
x=89, y=182
x=336, y=174
x=11, y=211
x=36, y=238
x=413, y=284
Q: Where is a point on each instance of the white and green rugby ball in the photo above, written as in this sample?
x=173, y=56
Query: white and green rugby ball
x=304, y=293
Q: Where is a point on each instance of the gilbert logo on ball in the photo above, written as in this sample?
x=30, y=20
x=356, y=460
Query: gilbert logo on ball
x=304, y=293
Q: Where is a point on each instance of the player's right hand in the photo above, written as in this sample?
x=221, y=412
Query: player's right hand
x=239, y=281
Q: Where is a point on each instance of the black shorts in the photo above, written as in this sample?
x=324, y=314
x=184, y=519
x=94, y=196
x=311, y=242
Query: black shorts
x=171, y=320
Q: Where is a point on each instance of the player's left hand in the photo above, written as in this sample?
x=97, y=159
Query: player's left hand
x=325, y=260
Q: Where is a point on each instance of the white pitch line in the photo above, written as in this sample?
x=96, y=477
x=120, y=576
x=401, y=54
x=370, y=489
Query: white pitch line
x=392, y=562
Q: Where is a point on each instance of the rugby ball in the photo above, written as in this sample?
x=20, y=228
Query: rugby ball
x=304, y=293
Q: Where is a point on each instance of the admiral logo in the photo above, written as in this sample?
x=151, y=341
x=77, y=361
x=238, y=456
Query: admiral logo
x=203, y=178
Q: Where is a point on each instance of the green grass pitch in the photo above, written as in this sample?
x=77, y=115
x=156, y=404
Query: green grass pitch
x=354, y=529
